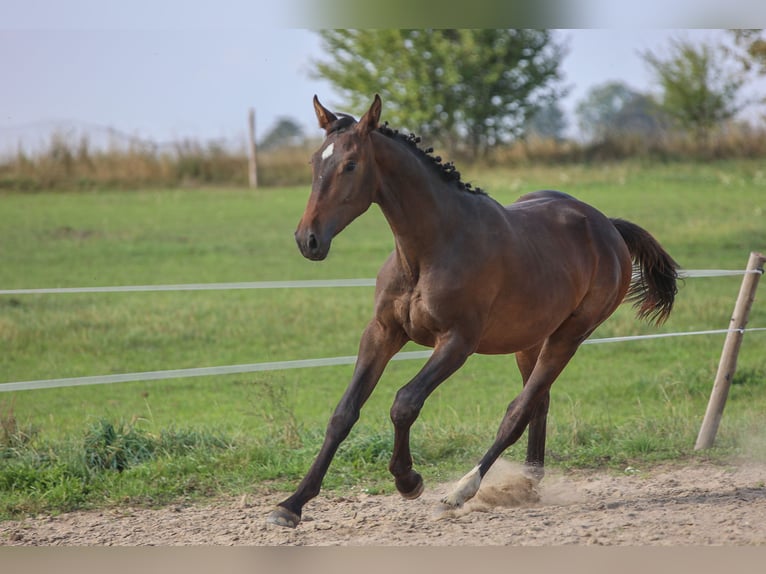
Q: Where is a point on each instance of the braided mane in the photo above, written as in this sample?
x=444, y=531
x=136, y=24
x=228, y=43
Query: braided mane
x=446, y=170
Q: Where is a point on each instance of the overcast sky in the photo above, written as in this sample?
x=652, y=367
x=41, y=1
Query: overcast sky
x=170, y=82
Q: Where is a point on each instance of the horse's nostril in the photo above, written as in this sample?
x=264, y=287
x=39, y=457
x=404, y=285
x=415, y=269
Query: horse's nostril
x=313, y=244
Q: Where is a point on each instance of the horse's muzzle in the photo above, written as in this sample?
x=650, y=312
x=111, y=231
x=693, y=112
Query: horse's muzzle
x=311, y=245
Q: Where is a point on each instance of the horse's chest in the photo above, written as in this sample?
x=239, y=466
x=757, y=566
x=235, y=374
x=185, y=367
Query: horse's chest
x=418, y=317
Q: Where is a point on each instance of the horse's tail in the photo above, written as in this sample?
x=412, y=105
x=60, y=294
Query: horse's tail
x=653, y=286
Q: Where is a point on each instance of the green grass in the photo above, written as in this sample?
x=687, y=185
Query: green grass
x=616, y=405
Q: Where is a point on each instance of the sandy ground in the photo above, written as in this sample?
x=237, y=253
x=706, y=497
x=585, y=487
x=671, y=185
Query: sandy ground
x=698, y=505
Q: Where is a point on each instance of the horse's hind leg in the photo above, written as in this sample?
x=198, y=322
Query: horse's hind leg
x=535, y=461
x=529, y=404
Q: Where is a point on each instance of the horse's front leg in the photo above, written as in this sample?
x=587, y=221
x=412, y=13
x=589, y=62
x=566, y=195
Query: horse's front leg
x=448, y=357
x=377, y=346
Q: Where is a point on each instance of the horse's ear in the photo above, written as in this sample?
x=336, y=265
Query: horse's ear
x=369, y=121
x=325, y=116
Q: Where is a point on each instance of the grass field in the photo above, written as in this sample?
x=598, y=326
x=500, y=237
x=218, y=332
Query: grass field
x=152, y=442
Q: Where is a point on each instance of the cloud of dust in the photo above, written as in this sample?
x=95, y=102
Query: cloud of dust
x=506, y=485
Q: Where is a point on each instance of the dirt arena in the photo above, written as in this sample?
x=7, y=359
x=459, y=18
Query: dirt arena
x=696, y=505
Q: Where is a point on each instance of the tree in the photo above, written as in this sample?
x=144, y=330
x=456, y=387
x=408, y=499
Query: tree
x=286, y=132
x=548, y=122
x=752, y=44
x=749, y=51
x=465, y=89
x=698, y=90
x=613, y=110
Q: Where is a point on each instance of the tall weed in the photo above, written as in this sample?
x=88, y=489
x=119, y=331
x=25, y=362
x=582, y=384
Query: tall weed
x=76, y=164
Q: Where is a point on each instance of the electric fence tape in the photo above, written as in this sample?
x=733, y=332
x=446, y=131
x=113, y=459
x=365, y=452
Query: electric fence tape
x=284, y=365
x=298, y=284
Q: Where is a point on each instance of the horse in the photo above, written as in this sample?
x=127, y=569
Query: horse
x=467, y=275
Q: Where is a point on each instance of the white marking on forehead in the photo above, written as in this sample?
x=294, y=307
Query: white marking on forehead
x=328, y=150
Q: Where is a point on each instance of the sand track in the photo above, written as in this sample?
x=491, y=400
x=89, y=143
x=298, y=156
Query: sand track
x=697, y=505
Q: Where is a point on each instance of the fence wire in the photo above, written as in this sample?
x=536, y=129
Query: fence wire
x=285, y=365
x=298, y=284
x=293, y=364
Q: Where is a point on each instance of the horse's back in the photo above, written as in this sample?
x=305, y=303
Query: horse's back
x=544, y=195
x=556, y=255
x=555, y=215
x=550, y=204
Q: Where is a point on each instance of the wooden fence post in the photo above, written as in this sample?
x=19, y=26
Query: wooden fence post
x=252, y=164
x=728, y=363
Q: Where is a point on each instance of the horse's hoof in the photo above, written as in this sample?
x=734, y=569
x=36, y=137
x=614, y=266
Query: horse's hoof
x=415, y=492
x=534, y=472
x=280, y=516
x=451, y=502
x=466, y=488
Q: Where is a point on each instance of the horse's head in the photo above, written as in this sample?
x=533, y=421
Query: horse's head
x=344, y=179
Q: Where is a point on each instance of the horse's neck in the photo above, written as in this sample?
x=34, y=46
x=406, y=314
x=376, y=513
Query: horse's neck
x=411, y=197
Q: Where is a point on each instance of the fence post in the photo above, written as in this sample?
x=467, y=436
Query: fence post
x=728, y=363
x=252, y=164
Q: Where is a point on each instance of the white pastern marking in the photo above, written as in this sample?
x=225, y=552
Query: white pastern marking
x=466, y=488
x=328, y=151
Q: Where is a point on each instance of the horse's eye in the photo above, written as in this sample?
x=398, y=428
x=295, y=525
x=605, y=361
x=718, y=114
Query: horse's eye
x=350, y=166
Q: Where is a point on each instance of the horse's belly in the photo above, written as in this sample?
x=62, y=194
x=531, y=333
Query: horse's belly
x=513, y=331
x=506, y=343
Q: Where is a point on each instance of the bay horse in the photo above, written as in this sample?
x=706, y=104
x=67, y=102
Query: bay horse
x=467, y=275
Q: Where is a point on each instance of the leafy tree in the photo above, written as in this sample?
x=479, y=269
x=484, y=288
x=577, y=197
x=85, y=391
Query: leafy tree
x=465, y=89
x=286, y=132
x=752, y=44
x=549, y=122
x=613, y=110
x=749, y=51
x=698, y=89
